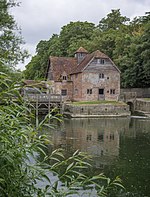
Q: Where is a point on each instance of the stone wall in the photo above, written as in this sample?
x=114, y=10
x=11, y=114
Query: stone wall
x=141, y=92
x=64, y=85
x=94, y=110
x=142, y=105
x=91, y=80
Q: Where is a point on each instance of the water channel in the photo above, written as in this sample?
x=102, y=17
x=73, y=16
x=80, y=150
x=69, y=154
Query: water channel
x=119, y=146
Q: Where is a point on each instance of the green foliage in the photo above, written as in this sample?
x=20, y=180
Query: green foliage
x=125, y=42
x=10, y=42
x=114, y=21
x=71, y=37
x=21, y=144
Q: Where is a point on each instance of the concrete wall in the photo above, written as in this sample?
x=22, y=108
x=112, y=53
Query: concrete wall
x=96, y=110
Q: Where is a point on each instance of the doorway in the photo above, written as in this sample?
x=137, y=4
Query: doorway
x=101, y=95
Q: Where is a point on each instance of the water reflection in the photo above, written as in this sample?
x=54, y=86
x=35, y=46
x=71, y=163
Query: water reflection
x=98, y=137
x=118, y=147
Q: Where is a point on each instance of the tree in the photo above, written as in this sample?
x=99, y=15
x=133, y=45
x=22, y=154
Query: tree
x=71, y=37
x=36, y=68
x=75, y=32
x=10, y=38
x=113, y=21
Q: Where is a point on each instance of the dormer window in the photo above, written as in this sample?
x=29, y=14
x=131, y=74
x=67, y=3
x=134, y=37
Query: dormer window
x=64, y=77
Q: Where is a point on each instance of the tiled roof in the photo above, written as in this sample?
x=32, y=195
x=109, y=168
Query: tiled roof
x=83, y=63
x=62, y=64
x=58, y=65
x=87, y=59
x=81, y=50
x=99, y=54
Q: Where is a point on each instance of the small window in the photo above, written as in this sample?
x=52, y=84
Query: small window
x=89, y=137
x=94, y=61
x=100, y=137
x=63, y=92
x=112, y=91
x=102, y=61
x=101, y=76
x=89, y=91
x=64, y=77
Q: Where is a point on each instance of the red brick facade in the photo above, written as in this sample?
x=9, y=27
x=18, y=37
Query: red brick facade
x=85, y=77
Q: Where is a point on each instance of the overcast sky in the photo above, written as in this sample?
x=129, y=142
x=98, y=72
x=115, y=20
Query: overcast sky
x=39, y=19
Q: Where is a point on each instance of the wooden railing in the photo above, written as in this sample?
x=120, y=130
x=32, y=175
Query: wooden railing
x=43, y=98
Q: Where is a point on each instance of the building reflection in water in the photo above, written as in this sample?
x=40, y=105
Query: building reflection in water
x=100, y=138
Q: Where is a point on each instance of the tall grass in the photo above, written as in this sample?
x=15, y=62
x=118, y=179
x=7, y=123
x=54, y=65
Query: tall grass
x=20, y=145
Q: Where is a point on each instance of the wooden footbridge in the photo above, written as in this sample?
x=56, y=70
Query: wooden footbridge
x=44, y=103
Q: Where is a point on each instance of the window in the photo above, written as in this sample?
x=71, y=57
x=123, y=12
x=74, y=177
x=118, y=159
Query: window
x=95, y=61
x=112, y=91
x=102, y=61
x=64, y=77
x=101, y=76
x=63, y=92
x=100, y=137
x=112, y=137
x=98, y=61
x=89, y=137
x=89, y=91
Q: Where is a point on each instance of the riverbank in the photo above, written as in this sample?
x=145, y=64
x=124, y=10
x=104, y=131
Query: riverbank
x=96, y=109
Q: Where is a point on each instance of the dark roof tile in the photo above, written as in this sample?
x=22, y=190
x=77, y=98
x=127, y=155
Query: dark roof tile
x=62, y=64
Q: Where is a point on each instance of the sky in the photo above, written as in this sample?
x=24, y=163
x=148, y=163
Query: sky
x=40, y=19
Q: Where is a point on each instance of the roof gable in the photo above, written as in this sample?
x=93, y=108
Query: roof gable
x=69, y=65
x=88, y=58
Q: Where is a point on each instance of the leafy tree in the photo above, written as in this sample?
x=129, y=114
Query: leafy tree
x=125, y=42
x=71, y=37
x=10, y=42
x=75, y=32
x=114, y=21
x=36, y=69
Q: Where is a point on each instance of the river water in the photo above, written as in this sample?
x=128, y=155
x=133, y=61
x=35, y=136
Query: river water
x=118, y=146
